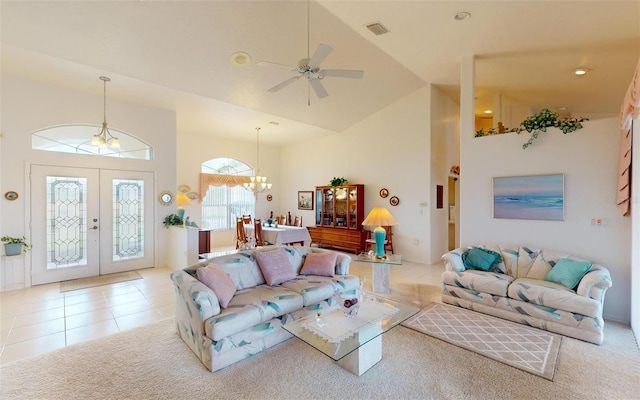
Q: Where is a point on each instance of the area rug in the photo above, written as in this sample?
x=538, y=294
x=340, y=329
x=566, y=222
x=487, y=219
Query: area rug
x=152, y=362
x=94, y=281
x=529, y=349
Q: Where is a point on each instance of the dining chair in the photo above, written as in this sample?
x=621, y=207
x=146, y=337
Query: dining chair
x=297, y=221
x=280, y=220
x=388, y=240
x=241, y=235
x=257, y=231
x=246, y=219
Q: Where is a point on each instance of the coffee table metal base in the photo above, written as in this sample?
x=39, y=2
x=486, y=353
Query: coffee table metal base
x=363, y=358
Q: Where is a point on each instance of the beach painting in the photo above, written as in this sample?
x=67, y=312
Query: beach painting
x=539, y=197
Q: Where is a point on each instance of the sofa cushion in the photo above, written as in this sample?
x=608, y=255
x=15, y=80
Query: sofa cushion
x=322, y=264
x=526, y=257
x=275, y=266
x=510, y=259
x=553, y=296
x=479, y=259
x=219, y=281
x=317, y=288
x=481, y=281
x=250, y=307
x=568, y=272
x=539, y=268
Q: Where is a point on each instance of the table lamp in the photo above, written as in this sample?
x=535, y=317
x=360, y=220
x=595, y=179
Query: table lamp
x=182, y=200
x=379, y=217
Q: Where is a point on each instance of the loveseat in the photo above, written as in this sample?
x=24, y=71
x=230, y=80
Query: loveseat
x=250, y=295
x=537, y=287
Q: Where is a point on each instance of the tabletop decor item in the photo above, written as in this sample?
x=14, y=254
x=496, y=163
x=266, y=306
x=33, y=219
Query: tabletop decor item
x=379, y=217
x=15, y=245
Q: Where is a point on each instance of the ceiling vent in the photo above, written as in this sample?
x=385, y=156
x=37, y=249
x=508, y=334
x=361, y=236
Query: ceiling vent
x=377, y=28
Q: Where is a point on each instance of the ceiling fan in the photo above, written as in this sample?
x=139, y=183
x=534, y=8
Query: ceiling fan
x=310, y=68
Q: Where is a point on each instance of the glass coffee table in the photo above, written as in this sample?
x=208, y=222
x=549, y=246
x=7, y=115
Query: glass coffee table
x=354, y=343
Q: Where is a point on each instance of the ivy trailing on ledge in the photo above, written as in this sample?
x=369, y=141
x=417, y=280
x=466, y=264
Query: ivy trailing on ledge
x=538, y=123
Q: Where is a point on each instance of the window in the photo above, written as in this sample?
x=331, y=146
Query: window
x=222, y=204
x=76, y=139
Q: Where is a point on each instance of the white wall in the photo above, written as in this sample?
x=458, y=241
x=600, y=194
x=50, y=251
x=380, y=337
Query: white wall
x=28, y=106
x=588, y=158
x=193, y=150
x=390, y=149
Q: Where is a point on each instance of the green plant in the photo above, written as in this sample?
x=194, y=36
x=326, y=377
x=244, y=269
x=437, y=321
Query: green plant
x=173, y=219
x=539, y=123
x=17, y=240
x=337, y=181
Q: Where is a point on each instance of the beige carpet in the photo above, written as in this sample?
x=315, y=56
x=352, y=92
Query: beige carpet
x=94, y=281
x=152, y=362
x=529, y=349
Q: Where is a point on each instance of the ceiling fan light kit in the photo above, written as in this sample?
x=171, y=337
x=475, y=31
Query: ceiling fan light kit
x=309, y=68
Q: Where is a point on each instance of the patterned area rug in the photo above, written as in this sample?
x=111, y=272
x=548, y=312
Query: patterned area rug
x=93, y=281
x=529, y=349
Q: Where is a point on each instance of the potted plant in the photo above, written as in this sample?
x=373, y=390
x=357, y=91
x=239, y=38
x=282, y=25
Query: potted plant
x=15, y=245
x=337, y=181
x=173, y=220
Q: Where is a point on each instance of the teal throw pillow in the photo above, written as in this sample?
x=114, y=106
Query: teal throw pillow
x=480, y=259
x=568, y=272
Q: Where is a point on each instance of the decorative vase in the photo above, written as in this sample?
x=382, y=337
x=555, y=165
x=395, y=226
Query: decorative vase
x=12, y=249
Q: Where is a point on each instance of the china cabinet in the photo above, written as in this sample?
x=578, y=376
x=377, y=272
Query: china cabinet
x=339, y=214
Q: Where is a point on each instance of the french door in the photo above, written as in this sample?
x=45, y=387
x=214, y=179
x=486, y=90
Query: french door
x=88, y=222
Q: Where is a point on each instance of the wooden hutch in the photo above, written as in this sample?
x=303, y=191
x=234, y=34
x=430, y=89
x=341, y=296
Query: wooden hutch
x=339, y=215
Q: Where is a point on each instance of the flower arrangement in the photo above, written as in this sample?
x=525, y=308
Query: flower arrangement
x=172, y=219
x=538, y=123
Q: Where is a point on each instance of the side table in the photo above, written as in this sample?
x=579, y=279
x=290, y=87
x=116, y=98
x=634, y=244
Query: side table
x=380, y=270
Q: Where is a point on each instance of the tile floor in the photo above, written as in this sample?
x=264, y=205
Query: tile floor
x=41, y=319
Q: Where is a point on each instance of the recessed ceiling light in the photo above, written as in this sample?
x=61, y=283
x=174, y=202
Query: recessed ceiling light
x=580, y=71
x=562, y=108
x=461, y=16
x=488, y=111
x=240, y=58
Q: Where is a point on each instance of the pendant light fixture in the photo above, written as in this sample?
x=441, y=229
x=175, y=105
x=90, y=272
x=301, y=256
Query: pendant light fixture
x=258, y=183
x=105, y=138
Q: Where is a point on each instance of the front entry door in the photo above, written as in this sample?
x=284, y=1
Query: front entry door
x=88, y=222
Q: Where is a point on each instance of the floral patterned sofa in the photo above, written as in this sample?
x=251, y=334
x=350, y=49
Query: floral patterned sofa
x=243, y=309
x=541, y=288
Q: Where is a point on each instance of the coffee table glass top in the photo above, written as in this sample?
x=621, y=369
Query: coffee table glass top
x=390, y=259
x=363, y=332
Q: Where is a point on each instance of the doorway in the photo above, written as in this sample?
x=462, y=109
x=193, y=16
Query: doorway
x=89, y=222
x=454, y=212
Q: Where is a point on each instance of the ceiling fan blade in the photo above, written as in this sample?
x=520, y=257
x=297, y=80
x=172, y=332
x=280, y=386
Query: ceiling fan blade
x=342, y=73
x=269, y=63
x=284, y=83
x=318, y=88
x=321, y=53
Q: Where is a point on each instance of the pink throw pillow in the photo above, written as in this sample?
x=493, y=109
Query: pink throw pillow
x=219, y=281
x=275, y=266
x=322, y=264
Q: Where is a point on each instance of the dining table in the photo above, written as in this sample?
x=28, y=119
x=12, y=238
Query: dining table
x=283, y=234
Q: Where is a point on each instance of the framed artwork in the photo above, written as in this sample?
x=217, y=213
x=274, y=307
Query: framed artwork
x=394, y=201
x=537, y=197
x=305, y=200
x=384, y=193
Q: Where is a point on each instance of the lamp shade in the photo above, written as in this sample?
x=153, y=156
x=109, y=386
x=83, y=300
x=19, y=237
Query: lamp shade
x=379, y=216
x=182, y=200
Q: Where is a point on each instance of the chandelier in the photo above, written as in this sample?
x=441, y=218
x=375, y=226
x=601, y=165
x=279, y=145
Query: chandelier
x=258, y=183
x=105, y=137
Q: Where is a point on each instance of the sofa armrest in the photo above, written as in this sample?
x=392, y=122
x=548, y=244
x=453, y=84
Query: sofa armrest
x=453, y=260
x=595, y=283
x=195, y=296
x=343, y=263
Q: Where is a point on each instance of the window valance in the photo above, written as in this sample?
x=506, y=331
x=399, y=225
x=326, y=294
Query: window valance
x=207, y=180
x=630, y=111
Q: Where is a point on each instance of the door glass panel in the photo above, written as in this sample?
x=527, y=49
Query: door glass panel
x=66, y=222
x=128, y=219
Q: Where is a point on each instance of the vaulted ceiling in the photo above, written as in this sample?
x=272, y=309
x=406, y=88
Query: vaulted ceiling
x=178, y=55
